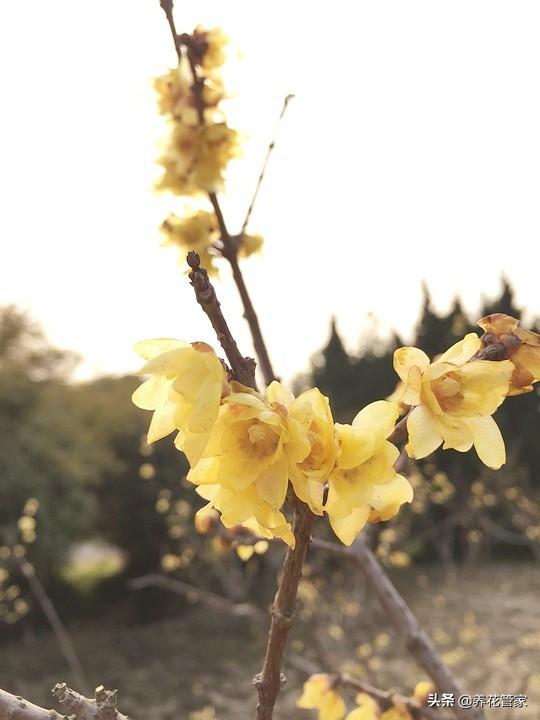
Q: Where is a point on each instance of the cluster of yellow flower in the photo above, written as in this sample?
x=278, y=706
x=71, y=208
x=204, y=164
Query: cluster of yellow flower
x=247, y=450
x=199, y=144
x=320, y=693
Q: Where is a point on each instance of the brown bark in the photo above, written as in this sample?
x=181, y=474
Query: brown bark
x=268, y=681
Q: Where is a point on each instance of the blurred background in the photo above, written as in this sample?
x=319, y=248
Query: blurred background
x=400, y=205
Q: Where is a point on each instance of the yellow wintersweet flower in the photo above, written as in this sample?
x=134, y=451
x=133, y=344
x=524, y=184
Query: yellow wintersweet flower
x=504, y=338
x=208, y=48
x=367, y=709
x=247, y=458
x=422, y=689
x=175, y=94
x=453, y=399
x=195, y=158
x=364, y=484
x=310, y=412
x=249, y=244
x=320, y=695
x=396, y=713
x=247, y=509
x=197, y=231
x=185, y=391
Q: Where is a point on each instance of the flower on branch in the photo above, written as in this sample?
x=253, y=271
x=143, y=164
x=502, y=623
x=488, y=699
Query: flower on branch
x=364, y=484
x=503, y=338
x=244, y=470
x=194, y=158
x=197, y=231
x=185, y=391
x=319, y=694
x=453, y=400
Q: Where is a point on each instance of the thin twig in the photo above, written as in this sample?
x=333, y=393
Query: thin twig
x=268, y=681
x=216, y=602
x=62, y=635
x=242, y=367
x=250, y=315
x=269, y=152
x=167, y=6
x=418, y=642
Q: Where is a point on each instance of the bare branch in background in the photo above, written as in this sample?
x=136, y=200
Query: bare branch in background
x=62, y=635
x=269, y=152
x=216, y=602
x=417, y=640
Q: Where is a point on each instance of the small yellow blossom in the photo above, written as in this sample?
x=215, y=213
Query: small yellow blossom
x=208, y=48
x=396, y=713
x=194, y=158
x=367, y=709
x=185, y=391
x=364, y=484
x=197, y=231
x=453, y=399
x=311, y=412
x=244, y=470
x=175, y=94
x=320, y=695
x=249, y=244
x=503, y=336
x=422, y=690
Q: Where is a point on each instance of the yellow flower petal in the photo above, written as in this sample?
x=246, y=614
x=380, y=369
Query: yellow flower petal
x=347, y=528
x=488, y=441
x=148, y=349
x=391, y=494
x=406, y=358
x=272, y=483
x=378, y=417
x=424, y=437
x=462, y=351
x=356, y=445
x=151, y=393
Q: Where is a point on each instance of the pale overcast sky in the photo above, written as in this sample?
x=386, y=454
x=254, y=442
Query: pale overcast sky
x=411, y=151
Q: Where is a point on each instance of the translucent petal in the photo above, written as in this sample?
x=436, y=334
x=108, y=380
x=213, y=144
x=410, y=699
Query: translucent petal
x=488, y=441
x=378, y=417
x=347, y=528
x=424, y=437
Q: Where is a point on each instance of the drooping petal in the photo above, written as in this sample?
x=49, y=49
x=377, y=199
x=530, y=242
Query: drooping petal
x=394, y=493
x=272, y=483
x=162, y=423
x=348, y=527
x=455, y=432
x=488, y=441
x=424, y=437
x=151, y=393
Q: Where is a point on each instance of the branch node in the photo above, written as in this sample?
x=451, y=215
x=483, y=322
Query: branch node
x=283, y=619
